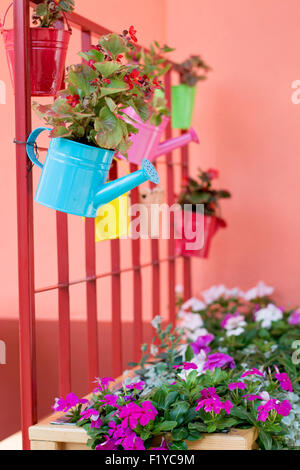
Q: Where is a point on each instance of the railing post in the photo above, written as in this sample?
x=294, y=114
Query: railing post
x=25, y=219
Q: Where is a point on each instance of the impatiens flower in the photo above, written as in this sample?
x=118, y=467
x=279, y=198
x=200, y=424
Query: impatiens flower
x=268, y=315
x=284, y=381
x=294, y=318
x=209, y=392
x=235, y=385
x=227, y=405
x=186, y=366
x=89, y=413
x=137, y=385
x=103, y=383
x=211, y=402
x=219, y=360
x=193, y=305
x=148, y=413
x=252, y=397
x=253, y=371
x=282, y=408
x=163, y=445
x=65, y=404
x=214, y=293
x=235, y=332
x=133, y=442
x=202, y=343
x=109, y=444
x=233, y=321
x=261, y=290
x=109, y=400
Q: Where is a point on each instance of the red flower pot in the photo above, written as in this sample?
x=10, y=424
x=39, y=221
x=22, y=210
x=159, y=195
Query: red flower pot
x=187, y=224
x=48, y=56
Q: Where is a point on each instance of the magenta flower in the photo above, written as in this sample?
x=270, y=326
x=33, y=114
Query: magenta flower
x=252, y=397
x=282, y=408
x=201, y=344
x=235, y=385
x=220, y=360
x=148, y=413
x=210, y=392
x=109, y=444
x=294, y=318
x=130, y=414
x=214, y=404
x=253, y=371
x=109, y=400
x=163, y=445
x=137, y=385
x=89, y=413
x=186, y=366
x=65, y=404
x=133, y=442
x=227, y=405
x=284, y=381
x=103, y=383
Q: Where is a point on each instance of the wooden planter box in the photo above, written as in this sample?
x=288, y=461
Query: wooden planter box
x=47, y=436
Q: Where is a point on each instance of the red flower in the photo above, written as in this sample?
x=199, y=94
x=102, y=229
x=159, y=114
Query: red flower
x=134, y=74
x=106, y=80
x=185, y=181
x=119, y=57
x=73, y=100
x=132, y=34
x=91, y=64
x=211, y=173
x=221, y=222
x=156, y=83
x=127, y=80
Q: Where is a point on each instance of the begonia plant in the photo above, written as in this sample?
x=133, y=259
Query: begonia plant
x=47, y=12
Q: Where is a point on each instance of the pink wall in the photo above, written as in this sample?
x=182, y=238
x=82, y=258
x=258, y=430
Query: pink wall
x=249, y=130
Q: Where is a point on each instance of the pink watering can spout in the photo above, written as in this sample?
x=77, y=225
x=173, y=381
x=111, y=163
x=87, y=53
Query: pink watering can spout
x=177, y=142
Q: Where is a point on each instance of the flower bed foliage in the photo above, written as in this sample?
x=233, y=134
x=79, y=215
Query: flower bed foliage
x=90, y=110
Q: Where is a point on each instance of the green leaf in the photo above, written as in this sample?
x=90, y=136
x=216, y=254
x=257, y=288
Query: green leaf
x=265, y=439
x=177, y=413
x=189, y=354
x=81, y=77
x=109, y=130
x=165, y=426
x=171, y=397
x=112, y=105
x=211, y=428
x=107, y=68
x=113, y=43
x=179, y=445
x=115, y=86
x=41, y=9
x=180, y=434
x=141, y=108
x=60, y=131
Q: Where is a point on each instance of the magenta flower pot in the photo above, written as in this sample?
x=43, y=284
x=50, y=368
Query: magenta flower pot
x=146, y=144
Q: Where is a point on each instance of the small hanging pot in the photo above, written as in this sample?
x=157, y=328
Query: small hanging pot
x=47, y=57
x=113, y=220
x=183, y=102
x=187, y=223
x=146, y=144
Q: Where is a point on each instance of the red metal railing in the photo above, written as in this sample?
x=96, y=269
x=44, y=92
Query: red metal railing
x=27, y=290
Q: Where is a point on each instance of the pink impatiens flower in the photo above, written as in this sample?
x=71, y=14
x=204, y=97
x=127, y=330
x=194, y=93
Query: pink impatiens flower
x=252, y=397
x=294, y=318
x=109, y=400
x=284, y=381
x=211, y=402
x=148, y=413
x=235, y=385
x=282, y=408
x=220, y=360
x=163, y=445
x=137, y=385
x=202, y=343
x=186, y=366
x=253, y=371
x=65, y=404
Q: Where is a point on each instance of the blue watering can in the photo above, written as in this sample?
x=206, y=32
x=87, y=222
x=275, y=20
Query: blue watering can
x=74, y=175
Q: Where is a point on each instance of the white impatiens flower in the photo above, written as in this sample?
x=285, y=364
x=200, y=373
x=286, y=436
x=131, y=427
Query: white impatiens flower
x=191, y=321
x=178, y=289
x=268, y=315
x=261, y=290
x=193, y=304
x=214, y=293
x=199, y=360
x=235, y=321
x=265, y=397
x=193, y=335
x=235, y=332
x=154, y=350
x=156, y=322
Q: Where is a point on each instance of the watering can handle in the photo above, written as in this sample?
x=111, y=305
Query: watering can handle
x=5, y=14
x=31, y=143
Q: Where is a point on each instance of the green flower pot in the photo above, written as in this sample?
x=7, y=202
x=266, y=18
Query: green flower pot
x=183, y=101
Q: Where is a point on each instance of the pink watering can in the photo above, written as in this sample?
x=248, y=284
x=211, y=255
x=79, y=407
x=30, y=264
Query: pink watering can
x=146, y=144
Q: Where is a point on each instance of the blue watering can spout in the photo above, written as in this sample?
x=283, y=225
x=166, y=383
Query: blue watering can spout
x=116, y=188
